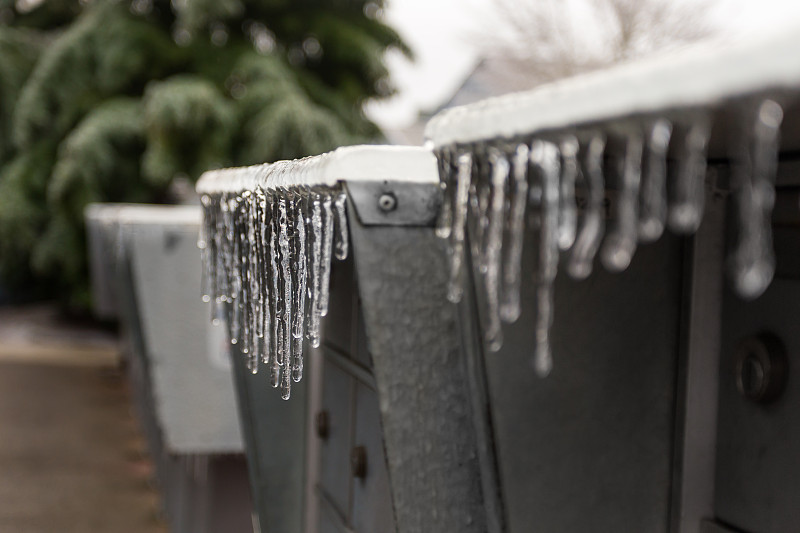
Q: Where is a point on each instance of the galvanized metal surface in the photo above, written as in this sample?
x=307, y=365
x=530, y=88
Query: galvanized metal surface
x=589, y=448
x=188, y=361
x=421, y=379
x=758, y=463
x=698, y=382
x=201, y=493
x=352, y=487
x=275, y=442
x=714, y=527
x=395, y=203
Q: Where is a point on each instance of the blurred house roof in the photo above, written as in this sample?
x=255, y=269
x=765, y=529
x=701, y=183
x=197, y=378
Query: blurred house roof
x=492, y=76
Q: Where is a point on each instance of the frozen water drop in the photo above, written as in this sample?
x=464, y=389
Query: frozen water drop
x=620, y=244
x=444, y=222
x=752, y=260
x=653, y=206
x=546, y=157
x=686, y=209
x=325, y=259
x=313, y=320
x=568, y=209
x=500, y=171
x=590, y=233
x=457, y=235
x=340, y=244
x=512, y=263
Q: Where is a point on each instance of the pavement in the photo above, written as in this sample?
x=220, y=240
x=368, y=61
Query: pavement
x=72, y=456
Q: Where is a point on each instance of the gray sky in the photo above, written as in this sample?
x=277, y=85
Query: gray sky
x=439, y=32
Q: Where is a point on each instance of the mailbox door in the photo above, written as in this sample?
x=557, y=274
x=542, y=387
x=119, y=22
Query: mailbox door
x=758, y=463
x=337, y=404
x=372, y=504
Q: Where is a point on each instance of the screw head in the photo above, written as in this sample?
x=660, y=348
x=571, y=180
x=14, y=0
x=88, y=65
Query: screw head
x=387, y=202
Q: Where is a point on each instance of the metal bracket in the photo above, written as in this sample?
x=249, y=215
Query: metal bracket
x=395, y=203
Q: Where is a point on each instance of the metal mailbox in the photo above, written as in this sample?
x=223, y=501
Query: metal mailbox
x=178, y=363
x=646, y=394
x=381, y=418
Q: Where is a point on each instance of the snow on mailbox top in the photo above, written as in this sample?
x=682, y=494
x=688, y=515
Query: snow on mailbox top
x=268, y=236
x=642, y=130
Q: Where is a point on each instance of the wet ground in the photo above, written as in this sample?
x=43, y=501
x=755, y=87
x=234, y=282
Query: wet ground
x=72, y=457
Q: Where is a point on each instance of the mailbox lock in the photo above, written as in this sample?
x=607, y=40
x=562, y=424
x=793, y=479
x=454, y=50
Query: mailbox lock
x=761, y=368
x=358, y=462
x=323, y=425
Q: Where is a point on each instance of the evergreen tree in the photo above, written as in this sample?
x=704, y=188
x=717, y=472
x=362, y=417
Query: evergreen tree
x=110, y=100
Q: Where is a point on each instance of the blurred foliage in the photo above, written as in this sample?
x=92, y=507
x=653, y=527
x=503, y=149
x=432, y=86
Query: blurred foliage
x=109, y=101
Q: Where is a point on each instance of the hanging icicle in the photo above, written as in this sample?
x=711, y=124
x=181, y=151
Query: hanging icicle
x=266, y=255
x=627, y=180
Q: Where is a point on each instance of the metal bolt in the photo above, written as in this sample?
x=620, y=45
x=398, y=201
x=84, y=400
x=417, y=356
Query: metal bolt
x=387, y=202
x=323, y=425
x=761, y=368
x=358, y=462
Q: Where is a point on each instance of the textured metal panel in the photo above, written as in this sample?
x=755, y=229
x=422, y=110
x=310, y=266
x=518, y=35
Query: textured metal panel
x=275, y=443
x=101, y=241
x=192, y=485
x=410, y=204
x=698, y=381
x=192, y=382
x=372, y=504
x=713, y=527
x=337, y=401
x=421, y=379
x=589, y=448
x=338, y=328
x=758, y=462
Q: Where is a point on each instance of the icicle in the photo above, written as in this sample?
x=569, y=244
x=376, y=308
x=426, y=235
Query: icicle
x=325, y=261
x=456, y=283
x=752, y=260
x=300, y=290
x=587, y=242
x=444, y=223
x=264, y=260
x=653, y=206
x=545, y=156
x=255, y=320
x=512, y=263
x=285, y=349
x=275, y=276
x=482, y=187
x=568, y=209
x=686, y=208
x=245, y=296
x=340, y=243
x=316, y=257
x=620, y=244
x=494, y=238
x=235, y=275
x=205, y=249
x=218, y=303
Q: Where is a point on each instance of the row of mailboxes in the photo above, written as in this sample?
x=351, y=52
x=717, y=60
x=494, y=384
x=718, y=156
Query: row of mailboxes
x=652, y=397
x=146, y=273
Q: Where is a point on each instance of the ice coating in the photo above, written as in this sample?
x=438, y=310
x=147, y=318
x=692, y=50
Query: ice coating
x=266, y=254
x=598, y=191
x=268, y=237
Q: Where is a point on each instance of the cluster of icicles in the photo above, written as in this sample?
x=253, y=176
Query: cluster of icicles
x=658, y=169
x=267, y=257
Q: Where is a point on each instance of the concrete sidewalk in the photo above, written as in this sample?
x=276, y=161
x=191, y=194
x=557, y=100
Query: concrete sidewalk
x=72, y=458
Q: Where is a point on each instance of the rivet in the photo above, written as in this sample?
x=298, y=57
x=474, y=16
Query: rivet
x=387, y=202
